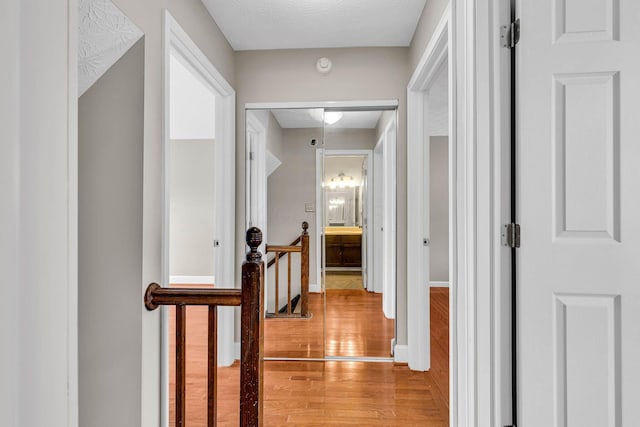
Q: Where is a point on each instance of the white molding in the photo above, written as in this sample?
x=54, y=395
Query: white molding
x=480, y=364
x=401, y=354
x=319, y=218
x=314, y=287
x=192, y=280
x=176, y=40
x=436, y=284
x=390, y=183
x=432, y=61
x=386, y=104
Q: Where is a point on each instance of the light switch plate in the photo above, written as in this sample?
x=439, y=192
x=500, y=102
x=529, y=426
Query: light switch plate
x=308, y=207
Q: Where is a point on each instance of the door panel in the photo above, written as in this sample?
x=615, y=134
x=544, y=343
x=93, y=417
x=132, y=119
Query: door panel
x=578, y=155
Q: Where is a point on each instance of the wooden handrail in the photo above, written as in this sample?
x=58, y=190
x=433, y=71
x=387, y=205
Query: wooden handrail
x=305, y=226
x=157, y=296
x=281, y=251
x=250, y=298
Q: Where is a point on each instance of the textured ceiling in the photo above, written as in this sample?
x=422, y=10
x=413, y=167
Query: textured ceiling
x=105, y=34
x=312, y=118
x=289, y=24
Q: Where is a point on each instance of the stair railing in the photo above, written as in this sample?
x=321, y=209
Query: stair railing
x=250, y=298
x=280, y=251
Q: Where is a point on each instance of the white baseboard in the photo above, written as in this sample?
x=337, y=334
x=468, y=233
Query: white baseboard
x=439, y=284
x=192, y=280
x=401, y=354
x=314, y=288
x=236, y=350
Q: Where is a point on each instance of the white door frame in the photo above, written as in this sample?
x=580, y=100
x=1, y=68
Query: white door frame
x=435, y=57
x=368, y=155
x=257, y=172
x=480, y=338
x=479, y=167
x=177, y=40
x=256, y=177
x=389, y=181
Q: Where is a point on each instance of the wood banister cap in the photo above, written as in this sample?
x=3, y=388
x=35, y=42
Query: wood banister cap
x=254, y=240
x=305, y=227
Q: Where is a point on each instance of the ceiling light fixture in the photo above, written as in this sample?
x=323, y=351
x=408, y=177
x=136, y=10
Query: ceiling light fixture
x=331, y=117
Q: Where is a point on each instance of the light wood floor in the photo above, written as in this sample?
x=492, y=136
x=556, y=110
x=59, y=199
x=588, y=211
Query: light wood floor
x=356, y=326
x=326, y=393
x=343, y=280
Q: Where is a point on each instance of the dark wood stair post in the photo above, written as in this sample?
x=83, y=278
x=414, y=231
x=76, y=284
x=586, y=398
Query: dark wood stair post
x=304, y=270
x=252, y=340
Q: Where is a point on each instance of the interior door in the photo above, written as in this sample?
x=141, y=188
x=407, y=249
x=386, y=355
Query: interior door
x=578, y=88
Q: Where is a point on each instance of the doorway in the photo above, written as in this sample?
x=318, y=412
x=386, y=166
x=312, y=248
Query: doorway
x=198, y=215
x=356, y=322
x=431, y=248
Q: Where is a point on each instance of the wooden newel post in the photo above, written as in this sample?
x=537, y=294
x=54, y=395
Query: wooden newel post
x=252, y=344
x=304, y=270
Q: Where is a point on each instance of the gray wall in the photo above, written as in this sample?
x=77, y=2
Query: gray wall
x=349, y=139
x=110, y=142
x=291, y=186
x=274, y=137
x=192, y=206
x=429, y=19
x=196, y=21
x=358, y=74
x=439, y=208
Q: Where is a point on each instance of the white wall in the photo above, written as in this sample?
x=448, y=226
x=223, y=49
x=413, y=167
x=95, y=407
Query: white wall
x=439, y=209
x=10, y=322
x=192, y=104
x=192, y=206
x=110, y=141
x=38, y=365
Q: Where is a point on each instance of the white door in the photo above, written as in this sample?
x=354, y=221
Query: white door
x=579, y=209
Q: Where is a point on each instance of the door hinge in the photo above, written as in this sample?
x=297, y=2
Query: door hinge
x=511, y=235
x=510, y=35
x=252, y=155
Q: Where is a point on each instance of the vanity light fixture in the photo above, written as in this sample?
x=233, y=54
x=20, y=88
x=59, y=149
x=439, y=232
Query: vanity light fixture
x=342, y=181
